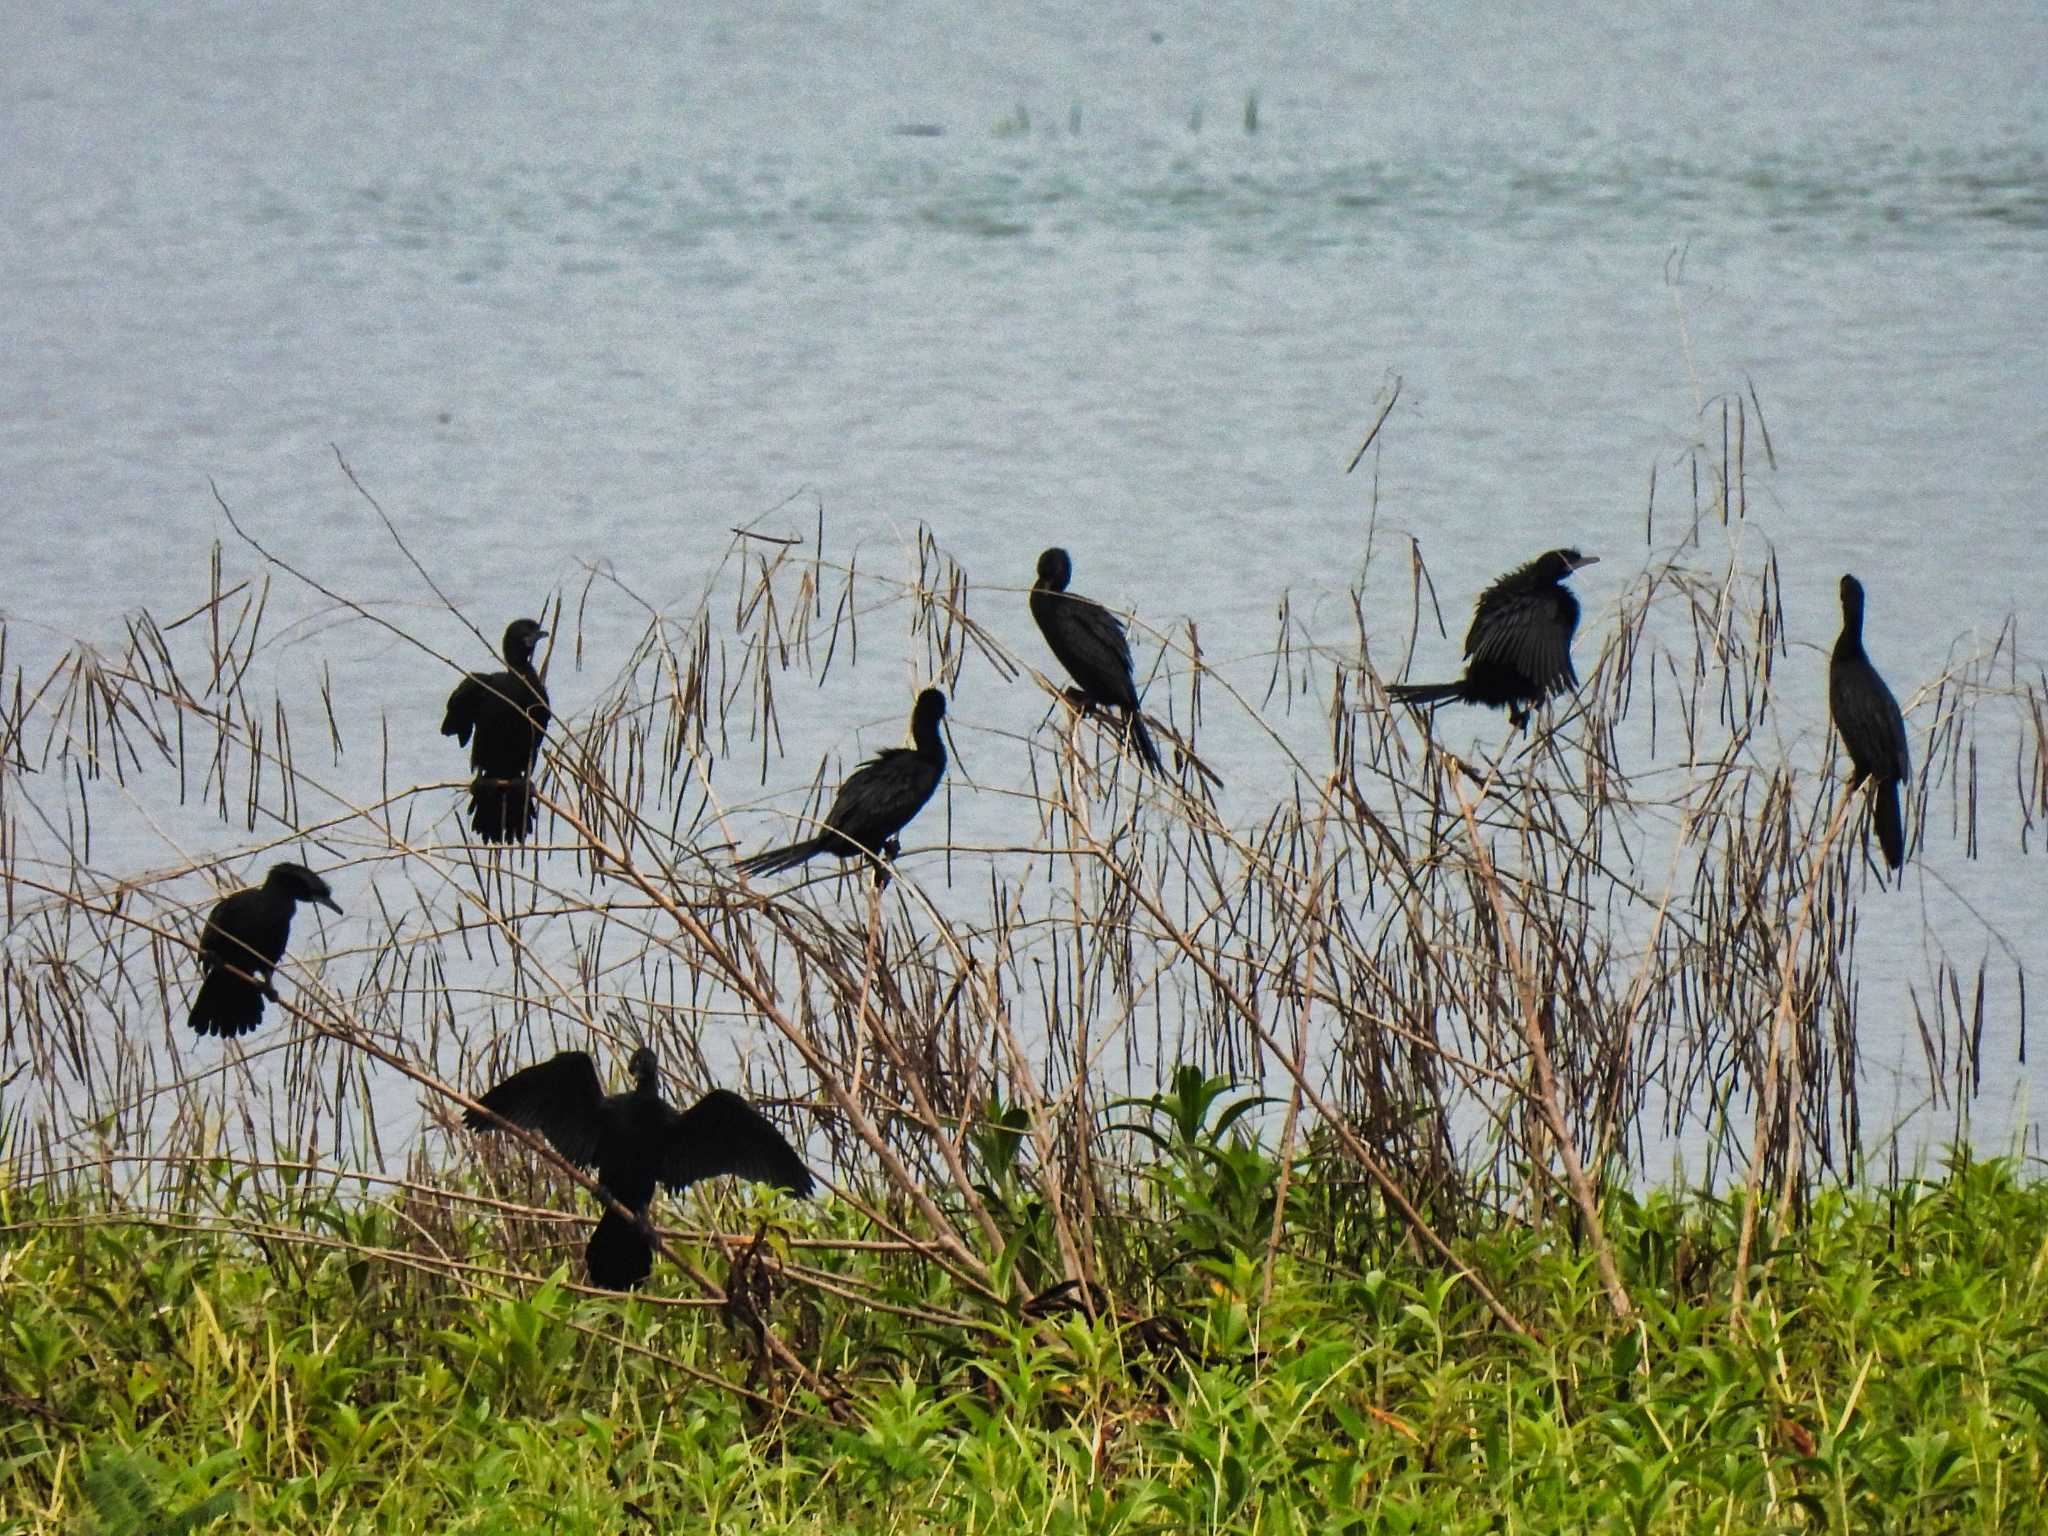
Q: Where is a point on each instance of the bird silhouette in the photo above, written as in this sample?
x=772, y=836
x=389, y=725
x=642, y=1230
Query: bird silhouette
x=1091, y=644
x=635, y=1141
x=501, y=717
x=1871, y=727
x=242, y=944
x=1518, y=652
x=876, y=801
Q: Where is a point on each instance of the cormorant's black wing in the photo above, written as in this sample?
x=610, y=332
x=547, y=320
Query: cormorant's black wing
x=561, y=1098
x=247, y=929
x=1090, y=643
x=1530, y=632
x=723, y=1133
x=1868, y=717
x=465, y=704
x=881, y=795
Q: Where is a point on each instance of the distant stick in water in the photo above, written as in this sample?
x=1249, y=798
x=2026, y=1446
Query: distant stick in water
x=634, y=1141
x=1868, y=718
x=1518, y=651
x=243, y=944
x=1091, y=644
x=877, y=800
x=501, y=717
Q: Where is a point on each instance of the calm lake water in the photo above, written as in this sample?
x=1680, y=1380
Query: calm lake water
x=592, y=287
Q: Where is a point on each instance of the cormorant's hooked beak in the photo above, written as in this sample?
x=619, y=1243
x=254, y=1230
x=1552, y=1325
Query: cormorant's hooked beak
x=331, y=904
x=1580, y=562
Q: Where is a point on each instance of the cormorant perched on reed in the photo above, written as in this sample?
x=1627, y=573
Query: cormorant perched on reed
x=634, y=1141
x=1518, y=652
x=506, y=714
x=1090, y=643
x=876, y=801
x=1872, y=728
x=243, y=943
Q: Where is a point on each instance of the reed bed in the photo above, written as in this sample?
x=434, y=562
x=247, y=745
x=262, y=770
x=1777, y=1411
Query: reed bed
x=1465, y=987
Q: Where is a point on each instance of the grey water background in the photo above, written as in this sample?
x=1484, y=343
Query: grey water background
x=589, y=287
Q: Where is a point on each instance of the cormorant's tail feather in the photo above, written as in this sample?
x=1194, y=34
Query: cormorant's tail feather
x=1891, y=823
x=1425, y=693
x=619, y=1256
x=776, y=860
x=502, y=810
x=226, y=1005
x=1142, y=740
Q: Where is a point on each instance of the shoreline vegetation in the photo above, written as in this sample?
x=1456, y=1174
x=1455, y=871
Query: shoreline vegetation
x=1290, y=1157
x=288, y=1360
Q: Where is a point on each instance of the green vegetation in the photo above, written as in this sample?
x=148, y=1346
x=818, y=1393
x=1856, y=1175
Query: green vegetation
x=1071, y=1276
x=161, y=1370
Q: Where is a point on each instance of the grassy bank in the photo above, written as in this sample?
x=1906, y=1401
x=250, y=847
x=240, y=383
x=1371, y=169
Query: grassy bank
x=1890, y=1372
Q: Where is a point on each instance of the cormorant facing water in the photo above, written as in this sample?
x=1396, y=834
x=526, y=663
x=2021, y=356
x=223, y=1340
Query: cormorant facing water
x=634, y=1141
x=1518, y=651
x=1090, y=643
x=1871, y=726
x=507, y=712
x=246, y=933
x=876, y=801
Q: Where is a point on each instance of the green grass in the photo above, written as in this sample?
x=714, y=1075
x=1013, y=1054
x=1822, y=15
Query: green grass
x=1890, y=1375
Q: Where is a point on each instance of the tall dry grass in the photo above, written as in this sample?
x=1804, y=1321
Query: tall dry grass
x=1500, y=981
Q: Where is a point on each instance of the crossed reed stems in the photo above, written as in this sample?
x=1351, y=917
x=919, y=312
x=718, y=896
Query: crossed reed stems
x=1496, y=981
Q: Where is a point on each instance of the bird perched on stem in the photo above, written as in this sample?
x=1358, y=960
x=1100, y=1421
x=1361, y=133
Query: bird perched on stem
x=1871, y=727
x=501, y=717
x=1091, y=644
x=876, y=801
x=634, y=1141
x=1518, y=652
x=242, y=945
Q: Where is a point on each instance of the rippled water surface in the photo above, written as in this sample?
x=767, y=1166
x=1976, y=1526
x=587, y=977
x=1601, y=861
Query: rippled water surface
x=591, y=287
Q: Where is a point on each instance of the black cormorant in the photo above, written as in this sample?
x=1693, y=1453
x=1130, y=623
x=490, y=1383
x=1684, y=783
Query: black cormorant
x=246, y=933
x=633, y=1141
x=1090, y=643
x=501, y=717
x=1872, y=728
x=1518, y=651
x=876, y=801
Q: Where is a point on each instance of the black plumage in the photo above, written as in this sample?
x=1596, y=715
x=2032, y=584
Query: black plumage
x=634, y=1141
x=1091, y=644
x=501, y=717
x=1868, y=718
x=877, y=800
x=1518, y=652
x=243, y=943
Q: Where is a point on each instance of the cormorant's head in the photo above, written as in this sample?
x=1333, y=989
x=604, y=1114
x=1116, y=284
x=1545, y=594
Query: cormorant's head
x=1560, y=563
x=1852, y=600
x=301, y=884
x=641, y=1067
x=1055, y=570
x=521, y=636
x=928, y=712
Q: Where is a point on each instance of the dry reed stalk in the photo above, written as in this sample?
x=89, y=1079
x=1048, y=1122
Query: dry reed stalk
x=1392, y=900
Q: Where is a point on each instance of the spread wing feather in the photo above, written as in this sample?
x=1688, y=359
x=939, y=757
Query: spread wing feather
x=723, y=1133
x=561, y=1098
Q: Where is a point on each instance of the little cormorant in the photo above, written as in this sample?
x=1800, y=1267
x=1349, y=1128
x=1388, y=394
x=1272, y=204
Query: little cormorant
x=501, y=717
x=243, y=944
x=1518, y=651
x=633, y=1141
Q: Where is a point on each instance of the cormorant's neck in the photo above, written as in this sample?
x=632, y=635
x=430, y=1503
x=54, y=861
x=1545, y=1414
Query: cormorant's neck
x=931, y=746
